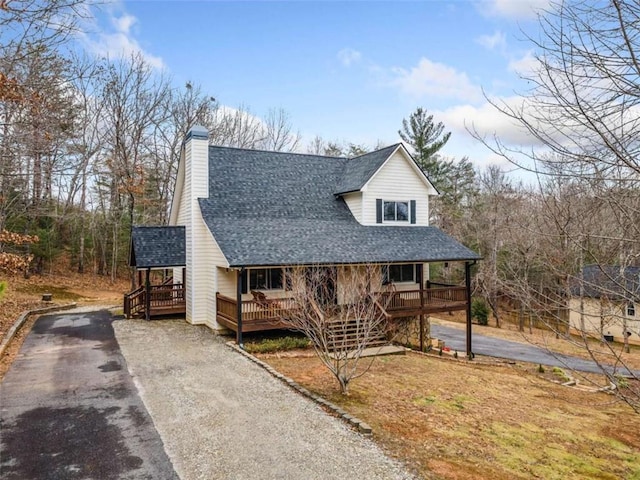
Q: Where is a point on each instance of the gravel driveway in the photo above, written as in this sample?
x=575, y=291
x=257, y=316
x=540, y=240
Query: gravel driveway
x=221, y=416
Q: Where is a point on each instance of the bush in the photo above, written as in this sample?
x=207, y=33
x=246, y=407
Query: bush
x=3, y=288
x=279, y=344
x=480, y=311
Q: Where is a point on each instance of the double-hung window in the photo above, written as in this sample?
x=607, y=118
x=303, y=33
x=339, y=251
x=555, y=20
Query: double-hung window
x=395, y=211
x=265, y=279
x=631, y=309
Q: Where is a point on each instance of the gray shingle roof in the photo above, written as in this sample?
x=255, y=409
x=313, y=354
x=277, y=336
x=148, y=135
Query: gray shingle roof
x=358, y=170
x=157, y=247
x=608, y=281
x=267, y=208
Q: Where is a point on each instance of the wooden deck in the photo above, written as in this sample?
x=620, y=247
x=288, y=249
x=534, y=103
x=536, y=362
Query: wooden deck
x=165, y=299
x=409, y=303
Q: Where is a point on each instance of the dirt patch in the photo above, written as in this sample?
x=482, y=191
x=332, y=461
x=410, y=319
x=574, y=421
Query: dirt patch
x=459, y=420
x=66, y=287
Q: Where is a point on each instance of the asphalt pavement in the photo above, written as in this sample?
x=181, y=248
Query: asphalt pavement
x=70, y=410
x=495, y=347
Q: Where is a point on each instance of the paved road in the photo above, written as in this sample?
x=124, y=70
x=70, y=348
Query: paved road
x=69, y=409
x=496, y=347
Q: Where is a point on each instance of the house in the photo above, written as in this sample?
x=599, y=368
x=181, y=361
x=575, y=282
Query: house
x=605, y=302
x=247, y=215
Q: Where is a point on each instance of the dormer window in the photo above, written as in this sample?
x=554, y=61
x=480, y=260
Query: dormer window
x=396, y=211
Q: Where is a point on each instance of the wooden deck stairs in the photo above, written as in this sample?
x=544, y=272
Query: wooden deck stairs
x=347, y=336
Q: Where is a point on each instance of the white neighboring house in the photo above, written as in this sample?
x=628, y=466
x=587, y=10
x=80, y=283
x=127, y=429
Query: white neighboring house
x=608, y=303
x=248, y=214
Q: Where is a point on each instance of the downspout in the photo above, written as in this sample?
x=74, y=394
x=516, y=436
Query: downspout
x=467, y=279
x=239, y=308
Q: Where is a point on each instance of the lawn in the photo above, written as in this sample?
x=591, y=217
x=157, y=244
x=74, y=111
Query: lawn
x=452, y=419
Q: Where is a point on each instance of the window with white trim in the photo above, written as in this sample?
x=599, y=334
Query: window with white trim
x=399, y=273
x=631, y=309
x=265, y=279
x=395, y=211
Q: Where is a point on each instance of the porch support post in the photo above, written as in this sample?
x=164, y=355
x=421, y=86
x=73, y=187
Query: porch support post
x=239, y=308
x=467, y=279
x=421, y=315
x=147, y=296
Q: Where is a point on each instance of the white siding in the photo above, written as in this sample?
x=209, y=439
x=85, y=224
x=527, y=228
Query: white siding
x=226, y=281
x=199, y=274
x=354, y=202
x=605, y=319
x=396, y=180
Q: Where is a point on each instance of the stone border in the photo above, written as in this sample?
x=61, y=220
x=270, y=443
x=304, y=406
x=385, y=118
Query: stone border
x=22, y=318
x=354, y=422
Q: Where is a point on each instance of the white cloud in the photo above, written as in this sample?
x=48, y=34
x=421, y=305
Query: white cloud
x=526, y=65
x=349, y=56
x=116, y=39
x=492, y=42
x=514, y=9
x=488, y=121
x=124, y=23
x=432, y=79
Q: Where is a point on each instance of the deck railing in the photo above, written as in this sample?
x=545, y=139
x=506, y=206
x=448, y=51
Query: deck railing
x=166, y=295
x=255, y=315
x=266, y=315
x=162, y=298
x=430, y=300
x=134, y=302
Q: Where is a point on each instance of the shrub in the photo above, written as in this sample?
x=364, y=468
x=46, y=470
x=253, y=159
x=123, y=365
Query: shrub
x=279, y=344
x=480, y=311
x=3, y=288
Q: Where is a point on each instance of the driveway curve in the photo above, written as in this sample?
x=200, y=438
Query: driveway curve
x=500, y=348
x=69, y=409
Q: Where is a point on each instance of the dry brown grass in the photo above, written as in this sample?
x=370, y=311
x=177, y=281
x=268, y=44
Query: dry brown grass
x=456, y=420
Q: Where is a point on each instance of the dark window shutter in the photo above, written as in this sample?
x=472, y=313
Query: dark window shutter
x=378, y=210
x=419, y=273
x=243, y=279
x=413, y=211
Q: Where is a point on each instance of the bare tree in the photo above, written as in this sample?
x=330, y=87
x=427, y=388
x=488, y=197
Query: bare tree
x=339, y=332
x=582, y=113
x=135, y=100
x=279, y=135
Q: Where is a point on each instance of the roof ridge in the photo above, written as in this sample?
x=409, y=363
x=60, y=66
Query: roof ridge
x=395, y=145
x=260, y=150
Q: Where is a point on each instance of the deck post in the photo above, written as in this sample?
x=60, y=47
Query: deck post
x=421, y=316
x=239, y=308
x=147, y=296
x=467, y=279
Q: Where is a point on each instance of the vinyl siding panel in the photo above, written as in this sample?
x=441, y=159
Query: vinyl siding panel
x=354, y=202
x=200, y=278
x=226, y=282
x=614, y=317
x=396, y=181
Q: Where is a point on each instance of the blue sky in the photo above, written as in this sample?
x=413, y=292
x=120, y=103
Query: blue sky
x=347, y=71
